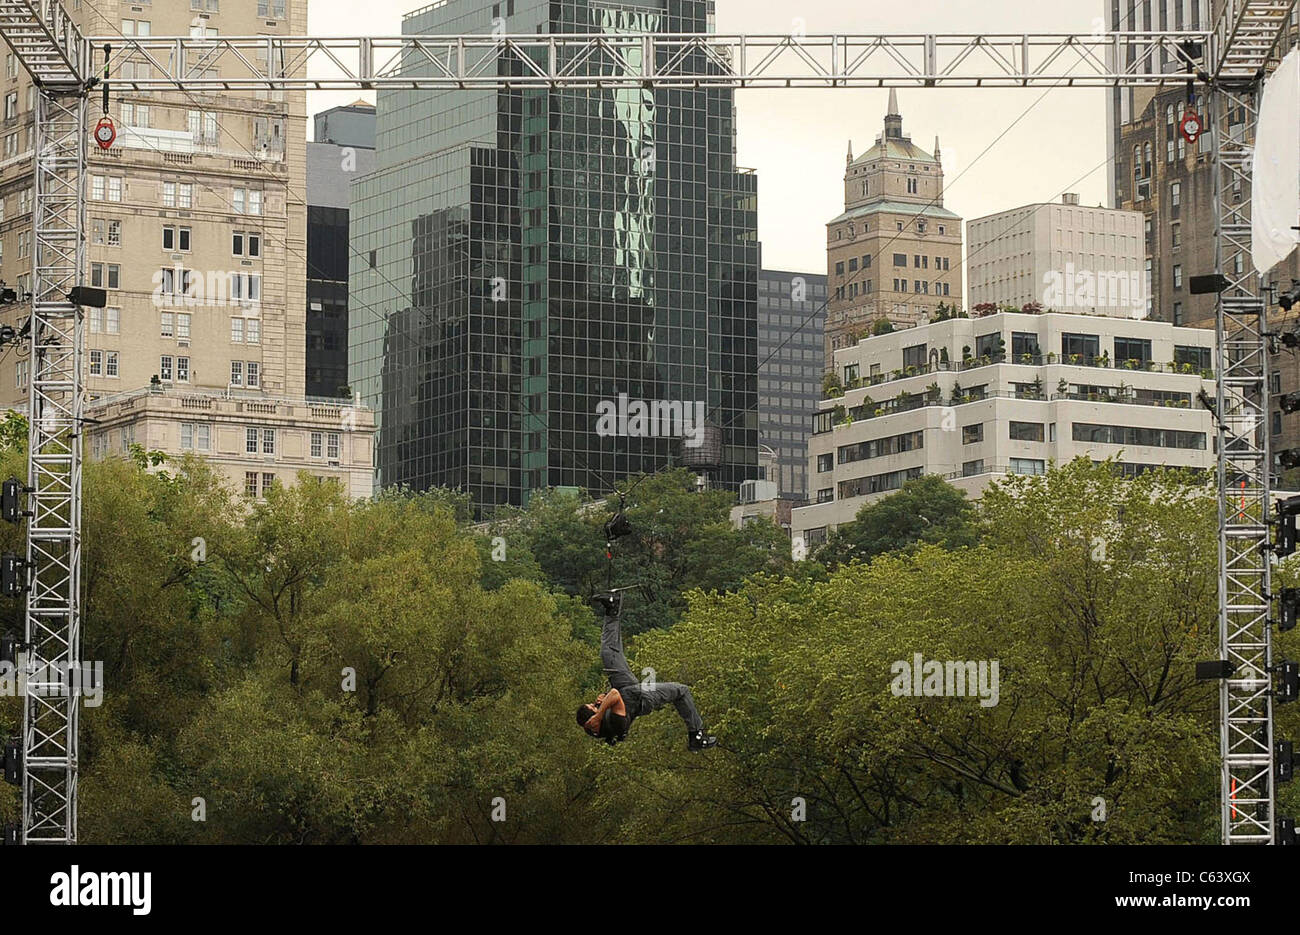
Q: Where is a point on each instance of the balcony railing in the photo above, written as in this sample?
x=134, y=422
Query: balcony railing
x=1028, y=360
x=911, y=403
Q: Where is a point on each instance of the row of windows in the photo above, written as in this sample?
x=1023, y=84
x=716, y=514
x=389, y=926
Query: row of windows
x=174, y=194
x=877, y=483
x=878, y=448
x=1133, y=435
x=197, y=436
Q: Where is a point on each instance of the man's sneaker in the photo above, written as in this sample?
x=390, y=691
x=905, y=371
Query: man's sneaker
x=699, y=740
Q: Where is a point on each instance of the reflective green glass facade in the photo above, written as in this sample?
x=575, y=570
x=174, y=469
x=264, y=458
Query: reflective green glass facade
x=520, y=257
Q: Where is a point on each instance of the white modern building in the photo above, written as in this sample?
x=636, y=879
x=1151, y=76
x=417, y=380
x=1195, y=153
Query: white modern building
x=972, y=399
x=1066, y=257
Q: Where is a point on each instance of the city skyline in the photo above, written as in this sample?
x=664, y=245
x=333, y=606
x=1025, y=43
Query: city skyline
x=795, y=140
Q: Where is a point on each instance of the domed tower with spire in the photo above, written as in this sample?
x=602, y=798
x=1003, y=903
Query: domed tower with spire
x=895, y=252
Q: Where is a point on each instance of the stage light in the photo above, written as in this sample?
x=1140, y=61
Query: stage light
x=1290, y=402
x=1290, y=298
x=1290, y=602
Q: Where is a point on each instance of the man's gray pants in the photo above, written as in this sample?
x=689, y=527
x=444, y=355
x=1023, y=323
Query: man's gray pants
x=642, y=699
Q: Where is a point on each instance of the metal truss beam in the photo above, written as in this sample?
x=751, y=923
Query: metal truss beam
x=46, y=41
x=229, y=63
x=1243, y=43
x=1247, y=37
x=52, y=630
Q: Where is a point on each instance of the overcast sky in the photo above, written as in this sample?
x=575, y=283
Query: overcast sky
x=797, y=139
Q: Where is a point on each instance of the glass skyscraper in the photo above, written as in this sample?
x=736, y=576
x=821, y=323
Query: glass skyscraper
x=791, y=348
x=521, y=257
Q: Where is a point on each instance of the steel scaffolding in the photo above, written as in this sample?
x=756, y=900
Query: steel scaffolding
x=1232, y=59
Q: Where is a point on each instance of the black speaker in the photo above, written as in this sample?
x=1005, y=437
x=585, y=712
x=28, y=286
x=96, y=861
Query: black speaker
x=88, y=297
x=1211, y=283
x=1216, y=669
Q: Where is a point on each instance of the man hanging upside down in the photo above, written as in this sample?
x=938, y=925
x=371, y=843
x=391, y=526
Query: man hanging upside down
x=613, y=712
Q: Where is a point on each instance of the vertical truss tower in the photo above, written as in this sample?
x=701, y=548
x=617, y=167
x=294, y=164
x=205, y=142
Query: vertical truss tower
x=50, y=47
x=1245, y=42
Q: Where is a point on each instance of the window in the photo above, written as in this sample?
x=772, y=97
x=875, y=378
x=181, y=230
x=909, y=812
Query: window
x=110, y=363
x=135, y=115
x=1198, y=358
x=237, y=330
x=253, y=373
x=97, y=230
x=182, y=370
x=971, y=468
x=98, y=185
x=196, y=436
x=250, y=441
x=1086, y=346
x=1028, y=466
x=96, y=320
x=825, y=494
x=165, y=368
x=914, y=356
x=112, y=320
x=11, y=105
x=332, y=444
x=114, y=188
x=246, y=287
x=970, y=434
x=267, y=481
x=248, y=243
x=115, y=233
x=183, y=325
x=839, y=267
x=96, y=363
x=167, y=326
x=900, y=259
x=176, y=239
x=250, y=483
x=252, y=330
x=1178, y=276
x=1132, y=435
x=236, y=373
x=202, y=126
x=825, y=463
x=1132, y=349
x=169, y=194
x=1027, y=431
x=317, y=438
x=247, y=201
x=114, y=275
x=268, y=441
x=1175, y=199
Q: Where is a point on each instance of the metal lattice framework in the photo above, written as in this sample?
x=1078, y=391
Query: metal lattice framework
x=1246, y=39
x=49, y=46
x=642, y=59
x=1240, y=48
